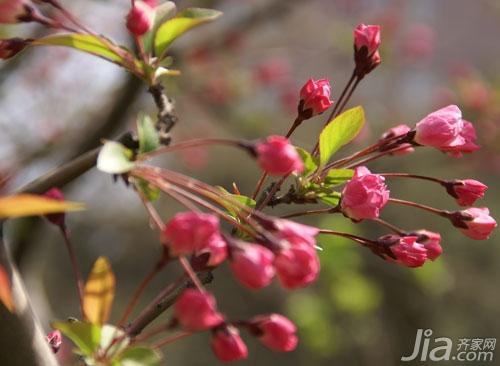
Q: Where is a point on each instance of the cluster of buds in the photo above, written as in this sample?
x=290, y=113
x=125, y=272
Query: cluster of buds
x=288, y=253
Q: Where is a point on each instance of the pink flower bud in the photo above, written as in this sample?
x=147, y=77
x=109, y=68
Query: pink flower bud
x=57, y=219
x=278, y=157
x=140, y=18
x=196, y=310
x=364, y=195
x=392, y=133
x=468, y=134
x=276, y=332
x=252, y=265
x=228, y=345
x=367, y=36
x=466, y=191
x=297, y=266
x=445, y=129
x=212, y=255
x=295, y=233
x=11, y=47
x=315, y=97
x=189, y=232
x=476, y=223
x=431, y=241
x=11, y=11
x=409, y=253
x=152, y=3
x=55, y=340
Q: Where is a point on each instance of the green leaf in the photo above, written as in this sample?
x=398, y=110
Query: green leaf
x=163, y=12
x=310, y=163
x=331, y=199
x=233, y=209
x=151, y=193
x=175, y=27
x=139, y=356
x=149, y=140
x=339, y=132
x=95, y=45
x=85, y=336
x=114, y=158
x=338, y=176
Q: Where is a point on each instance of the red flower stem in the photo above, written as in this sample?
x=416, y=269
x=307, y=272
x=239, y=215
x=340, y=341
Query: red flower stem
x=76, y=269
x=407, y=175
x=140, y=290
x=358, y=239
x=190, y=272
x=368, y=150
x=338, y=106
x=153, y=332
x=190, y=144
x=311, y=212
x=374, y=157
x=272, y=192
x=390, y=226
x=171, y=339
x=442, y=213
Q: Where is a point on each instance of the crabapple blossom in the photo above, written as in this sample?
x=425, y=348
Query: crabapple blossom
x=476, y=223
x=315, y=97
x=278, y=157
x=252, y=265
x=466, y=191
x=228, y=345
x=140, y=18
x=275, y=332
x=196, y=310
x=297, y=266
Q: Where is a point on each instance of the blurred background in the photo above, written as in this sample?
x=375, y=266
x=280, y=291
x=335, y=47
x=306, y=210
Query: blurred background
x=241, y=77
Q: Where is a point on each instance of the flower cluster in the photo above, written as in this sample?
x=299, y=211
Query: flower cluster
x=290, y=254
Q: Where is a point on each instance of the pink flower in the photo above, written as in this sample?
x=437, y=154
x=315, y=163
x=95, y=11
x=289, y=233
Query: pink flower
x=56, y=218
x=445, y=129
x=212, y=255
x=295, y=233
x=468, y=136
x=364, y=195
x=408, y=252
x=297, y=266
x=189, y=232
x=392, y=133
x=477, y=223
x=196, y=310
x=431, y=242
x=315, y=97
x=276, y=332
x=140, y=18
x=11, y=47
x=252, y=265
x=466, y=191
x=367, y=36
x=278, y=157
x=12, y=10
x=54, y=339
x=228, y=345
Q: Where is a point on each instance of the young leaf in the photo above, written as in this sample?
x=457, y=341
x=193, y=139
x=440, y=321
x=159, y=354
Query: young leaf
x=85, y=336
x=338, y=176
x=232, y=208
x=149, y=139
x=31, y=205
x=88, y=43
x=310, y=163
x=183, y=21
x=139, y=356
x=163, y=12
x=6, y=290
x=114, y=158
x=331, y=199
x=99, y=292
x=150, y=192
x=339, y=132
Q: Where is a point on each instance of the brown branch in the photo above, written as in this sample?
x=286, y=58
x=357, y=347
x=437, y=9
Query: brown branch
x=162, y=302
